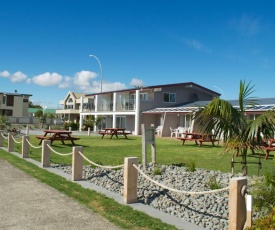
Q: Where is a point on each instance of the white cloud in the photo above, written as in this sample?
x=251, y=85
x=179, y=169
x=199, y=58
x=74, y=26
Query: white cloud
x=47, y=79
x=4, y=74
x=112, y=86
x=83, y=78
x=246, y=24
x=197, y=45
x=18, y=76
x=136, y=82
x=66, y=82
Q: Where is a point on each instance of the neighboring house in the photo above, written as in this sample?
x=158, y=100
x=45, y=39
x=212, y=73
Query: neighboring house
x=71, y=106
x=14, y=104
x=125, y=108
x=181, y=115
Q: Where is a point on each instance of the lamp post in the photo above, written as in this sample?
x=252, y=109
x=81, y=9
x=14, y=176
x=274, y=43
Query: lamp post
x=91, y=55
x=220, y=90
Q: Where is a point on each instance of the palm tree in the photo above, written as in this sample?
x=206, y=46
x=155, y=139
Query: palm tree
x=229, y=123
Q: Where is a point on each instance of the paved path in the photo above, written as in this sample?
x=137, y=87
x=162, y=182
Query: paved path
x=29, y=204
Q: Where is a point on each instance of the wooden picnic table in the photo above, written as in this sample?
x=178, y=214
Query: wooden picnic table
x=114, y=131
x=61, y=135
x=199, y=138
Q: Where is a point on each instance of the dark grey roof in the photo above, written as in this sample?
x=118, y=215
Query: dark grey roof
x=261, y=104
x=16, y=94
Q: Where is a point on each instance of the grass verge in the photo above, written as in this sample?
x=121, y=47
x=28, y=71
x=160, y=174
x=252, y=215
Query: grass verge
x=121, y=215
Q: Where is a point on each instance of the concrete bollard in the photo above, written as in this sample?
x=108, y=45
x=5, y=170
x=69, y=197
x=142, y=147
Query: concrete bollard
x=89, y=131
x=10, y=143
x=237, y=205
x=25, y=147
x=130, y=180
x=1, y=139
x=249, y=212
x=77, y=163
x=27, y=130
x=45, y=158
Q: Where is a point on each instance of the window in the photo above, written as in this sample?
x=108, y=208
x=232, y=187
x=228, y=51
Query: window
x=169, y=97
x=10, y=100
x=4, y=99
x=121, y=122
x=70, y=100
x=143, y=97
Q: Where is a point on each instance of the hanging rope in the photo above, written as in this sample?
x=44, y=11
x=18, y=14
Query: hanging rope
x=36, y=147
x=176, y=190
x=4, y=136
x=18, y=142
x=60, y=154
x=101, y=166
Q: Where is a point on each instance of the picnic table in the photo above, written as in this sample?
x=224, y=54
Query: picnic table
x=199, y=138
x=114, y=131
x=54, y=135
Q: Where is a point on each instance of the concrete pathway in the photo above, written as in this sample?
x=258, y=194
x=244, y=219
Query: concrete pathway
x=29, y=204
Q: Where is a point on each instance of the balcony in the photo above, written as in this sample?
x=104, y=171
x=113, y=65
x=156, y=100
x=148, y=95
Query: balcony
x=67, y=111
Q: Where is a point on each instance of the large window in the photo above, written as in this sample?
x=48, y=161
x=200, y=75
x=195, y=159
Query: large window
x=121, y=122
x=169, y=97
x=10, y=100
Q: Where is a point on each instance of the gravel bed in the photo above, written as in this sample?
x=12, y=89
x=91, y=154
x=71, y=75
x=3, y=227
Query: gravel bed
x=207, y=210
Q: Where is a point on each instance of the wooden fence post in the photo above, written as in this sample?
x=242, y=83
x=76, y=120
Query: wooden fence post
x=25, y=147
x=130, y=180
x=237, y=205
x=10, y=143
x=77, y=163
x=45, y=158
x=1, y=139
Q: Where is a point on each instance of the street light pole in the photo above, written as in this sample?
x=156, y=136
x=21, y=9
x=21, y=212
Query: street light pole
x=220, y=90
x=91, y=55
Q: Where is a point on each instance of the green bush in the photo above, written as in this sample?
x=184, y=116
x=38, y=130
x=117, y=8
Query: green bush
x=72, y=125
x=191, y=165
x=267, y=222
x=263, y=192
x=213, y=183
x=157, y=171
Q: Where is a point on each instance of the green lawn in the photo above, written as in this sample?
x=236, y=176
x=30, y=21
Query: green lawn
x=169, y=151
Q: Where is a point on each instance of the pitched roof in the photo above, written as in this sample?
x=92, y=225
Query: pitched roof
x=185, y=84
x=261, y=105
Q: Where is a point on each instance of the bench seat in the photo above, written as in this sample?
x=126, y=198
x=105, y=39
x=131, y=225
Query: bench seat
x=200, y=140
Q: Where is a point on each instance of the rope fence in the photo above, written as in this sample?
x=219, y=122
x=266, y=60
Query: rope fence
x=58, y=153
x=101, y=166
x=36, y=147
x=4, y=136
x=176, y=190
x=18, y=142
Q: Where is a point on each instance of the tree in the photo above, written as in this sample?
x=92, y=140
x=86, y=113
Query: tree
x=31, y=105
x=239, y=133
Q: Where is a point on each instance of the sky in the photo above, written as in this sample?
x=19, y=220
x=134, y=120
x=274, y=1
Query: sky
x=45, y=46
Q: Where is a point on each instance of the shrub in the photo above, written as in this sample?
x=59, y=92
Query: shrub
x=157, y=171
x=191, y=165
x=263, y=191
x=267, y=222
x=213, y=183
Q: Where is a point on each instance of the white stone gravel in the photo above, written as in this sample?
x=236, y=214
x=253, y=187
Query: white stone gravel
x=208, y=210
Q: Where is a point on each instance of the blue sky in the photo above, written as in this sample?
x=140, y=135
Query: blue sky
x=45, y=45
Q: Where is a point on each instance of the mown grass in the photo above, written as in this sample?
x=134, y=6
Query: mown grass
x=169, y=151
